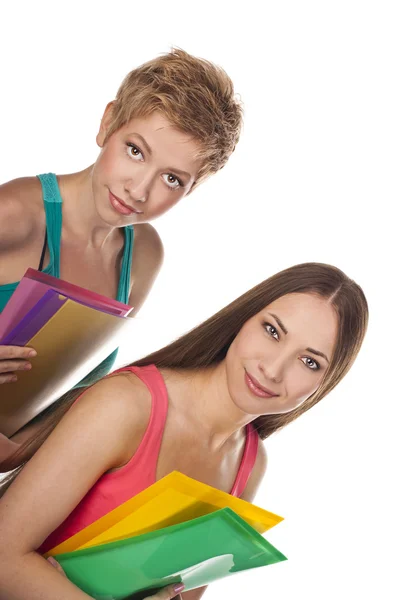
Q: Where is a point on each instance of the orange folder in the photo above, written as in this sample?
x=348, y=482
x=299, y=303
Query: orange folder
x=173, y=499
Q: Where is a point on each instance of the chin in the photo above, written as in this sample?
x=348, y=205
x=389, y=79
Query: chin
x=247, y=405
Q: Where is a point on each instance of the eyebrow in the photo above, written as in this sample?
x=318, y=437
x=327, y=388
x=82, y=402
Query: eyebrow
x=318, y=353
x=150, y=152
x=285, y=331
x=145, y=144
x=281, y=325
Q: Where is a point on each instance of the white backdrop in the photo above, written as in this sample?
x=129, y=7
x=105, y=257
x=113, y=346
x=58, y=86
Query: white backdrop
x=314, y=178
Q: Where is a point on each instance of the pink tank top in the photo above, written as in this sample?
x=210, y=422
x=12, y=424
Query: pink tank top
x=113, y=489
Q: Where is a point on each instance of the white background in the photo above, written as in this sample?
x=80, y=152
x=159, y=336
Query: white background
x=314, y=178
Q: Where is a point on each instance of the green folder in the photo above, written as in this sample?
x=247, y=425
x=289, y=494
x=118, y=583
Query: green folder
x=196, y=553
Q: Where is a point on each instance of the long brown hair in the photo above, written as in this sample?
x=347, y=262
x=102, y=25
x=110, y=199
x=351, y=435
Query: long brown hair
x=208, y=343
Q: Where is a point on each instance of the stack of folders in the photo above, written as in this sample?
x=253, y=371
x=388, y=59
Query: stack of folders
x=176, y=531
x=72, y=330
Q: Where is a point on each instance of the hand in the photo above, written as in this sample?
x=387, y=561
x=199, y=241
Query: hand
x=167, y=593
x=14, y=358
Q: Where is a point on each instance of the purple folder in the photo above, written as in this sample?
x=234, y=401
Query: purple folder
x=34, y=320
x=28, y=293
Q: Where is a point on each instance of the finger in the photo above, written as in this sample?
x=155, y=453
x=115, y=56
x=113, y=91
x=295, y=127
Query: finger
x=8, y=378
x=9, y=366
x=168, y=592
x=56, y=565
x=10, y=352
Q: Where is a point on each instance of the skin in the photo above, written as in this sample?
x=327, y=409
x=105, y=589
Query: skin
x=148, y=164
x=203, y=437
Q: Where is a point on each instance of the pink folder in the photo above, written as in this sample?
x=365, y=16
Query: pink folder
x=34, y=320
x=70, y=345
x=35, y=284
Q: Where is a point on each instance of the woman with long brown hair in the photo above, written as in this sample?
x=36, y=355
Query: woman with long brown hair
x=201, y=405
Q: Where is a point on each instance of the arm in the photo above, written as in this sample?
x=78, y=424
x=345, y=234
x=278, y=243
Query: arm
x=248, y=494
x=21, y=216
x=22, y=226
x=147, y=259
x=7, y=449
x=8, y=446
x=96, y=435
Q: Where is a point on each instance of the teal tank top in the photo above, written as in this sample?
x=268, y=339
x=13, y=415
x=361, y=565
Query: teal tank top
x=53, y=209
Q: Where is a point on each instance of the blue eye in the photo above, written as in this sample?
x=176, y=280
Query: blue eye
x=311, y=363
x=271, y=330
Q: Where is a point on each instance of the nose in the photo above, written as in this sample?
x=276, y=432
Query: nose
x=138, y=188
x=272, y=368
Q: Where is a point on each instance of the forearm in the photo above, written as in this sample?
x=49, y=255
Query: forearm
x=7, y=449
x=31, y=576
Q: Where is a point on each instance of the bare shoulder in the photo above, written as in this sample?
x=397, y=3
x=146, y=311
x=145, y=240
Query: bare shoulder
x=122, y=400
x=148, y=242
x=21, y=211
x=257, y=474
x=147, y=259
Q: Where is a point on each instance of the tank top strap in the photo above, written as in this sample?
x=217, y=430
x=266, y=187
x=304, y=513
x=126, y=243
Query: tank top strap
x=53, y=208
x=126, y=266
x=146, y=456
x=248, y=461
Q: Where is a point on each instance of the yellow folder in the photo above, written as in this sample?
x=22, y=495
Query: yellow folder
x=173, y=499
x=73, y=342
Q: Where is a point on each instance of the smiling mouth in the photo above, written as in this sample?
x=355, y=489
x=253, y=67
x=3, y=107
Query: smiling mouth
x=256, y=388
x=121, y=207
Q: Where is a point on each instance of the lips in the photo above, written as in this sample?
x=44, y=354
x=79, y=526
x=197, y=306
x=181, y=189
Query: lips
x=120, y=205
x=256, y=388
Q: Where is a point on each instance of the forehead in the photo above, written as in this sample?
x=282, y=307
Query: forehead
x=308, y=317
x=166, y=141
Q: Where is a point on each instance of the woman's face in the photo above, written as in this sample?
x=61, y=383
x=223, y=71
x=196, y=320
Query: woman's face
x=143, y=170
x=280, y=355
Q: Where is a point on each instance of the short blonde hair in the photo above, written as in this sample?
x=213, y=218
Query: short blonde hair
x=195, y=95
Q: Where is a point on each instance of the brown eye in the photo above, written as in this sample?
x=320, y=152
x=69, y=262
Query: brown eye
x=134, y=151
x=172, y=181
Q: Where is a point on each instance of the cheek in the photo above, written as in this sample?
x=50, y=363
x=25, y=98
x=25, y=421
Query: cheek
x=104, y=164
x=112, y=160
x=162, y=199
x=301, y=385
x=251, y=344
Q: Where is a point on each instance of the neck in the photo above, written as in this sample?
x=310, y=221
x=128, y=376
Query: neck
x=204, y=398
x=80, y=217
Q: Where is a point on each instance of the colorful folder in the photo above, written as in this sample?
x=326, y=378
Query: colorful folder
x=35, y=284
x=71, y=336
x=173, y=499
x=32, y=322
x=195, y=552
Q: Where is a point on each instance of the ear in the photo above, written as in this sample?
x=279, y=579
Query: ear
x=104, y=125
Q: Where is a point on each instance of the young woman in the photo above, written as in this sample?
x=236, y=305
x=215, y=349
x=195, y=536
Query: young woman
x=201, y=406
x=174, y=122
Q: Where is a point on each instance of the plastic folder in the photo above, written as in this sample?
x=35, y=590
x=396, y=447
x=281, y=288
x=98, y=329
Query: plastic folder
x=196, y=552
x=35, y=284
x=35, y=319
x=72, y=343
x=173, y=499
